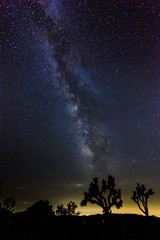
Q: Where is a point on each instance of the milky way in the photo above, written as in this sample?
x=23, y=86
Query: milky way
x=71, y=88
x=80, y=95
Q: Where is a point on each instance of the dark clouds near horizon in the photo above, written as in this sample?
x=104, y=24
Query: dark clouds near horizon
x=79, y=94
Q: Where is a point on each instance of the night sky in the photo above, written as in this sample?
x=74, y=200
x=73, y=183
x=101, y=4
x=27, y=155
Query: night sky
x=79, y=98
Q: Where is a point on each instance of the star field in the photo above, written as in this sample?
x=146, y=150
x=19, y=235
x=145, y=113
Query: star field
x=79, y=96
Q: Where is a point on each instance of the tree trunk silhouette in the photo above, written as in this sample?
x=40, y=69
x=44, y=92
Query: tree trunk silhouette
x=140, y=197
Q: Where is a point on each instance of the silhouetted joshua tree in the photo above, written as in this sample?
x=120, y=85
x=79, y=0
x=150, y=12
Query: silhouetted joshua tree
x=96, y=196
x=140, y=197
x=70, y=210
x=8, y=204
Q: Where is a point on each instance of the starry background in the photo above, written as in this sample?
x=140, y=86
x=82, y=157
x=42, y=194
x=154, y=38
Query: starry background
x=79, y=97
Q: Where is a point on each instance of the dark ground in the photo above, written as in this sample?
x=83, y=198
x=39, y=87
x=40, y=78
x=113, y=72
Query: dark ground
x=29, y=226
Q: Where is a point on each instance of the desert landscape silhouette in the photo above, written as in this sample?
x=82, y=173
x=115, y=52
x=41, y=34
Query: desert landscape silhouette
x=40, y=221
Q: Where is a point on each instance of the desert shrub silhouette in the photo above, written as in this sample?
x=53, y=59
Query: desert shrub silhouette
x=8, y=204
x=97, y=196
x=61, y=210
x=140, y=197
x=69, y=211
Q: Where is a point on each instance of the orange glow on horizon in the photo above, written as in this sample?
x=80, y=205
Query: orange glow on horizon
x=91, y=210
